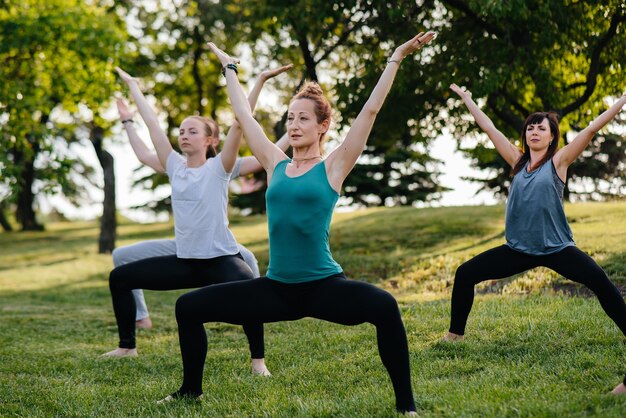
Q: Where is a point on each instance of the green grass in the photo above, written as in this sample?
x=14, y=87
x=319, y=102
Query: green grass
x=532, y=349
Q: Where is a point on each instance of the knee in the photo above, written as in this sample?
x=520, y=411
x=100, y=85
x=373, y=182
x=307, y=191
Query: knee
x=183, y=308
x=115, y=278
x=116, y=257
x=386, y=304
x=194, y=307
x=598, y=280
x=121, y=256
x=463, y=274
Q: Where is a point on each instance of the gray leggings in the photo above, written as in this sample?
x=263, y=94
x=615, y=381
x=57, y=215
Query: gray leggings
x=157, y=248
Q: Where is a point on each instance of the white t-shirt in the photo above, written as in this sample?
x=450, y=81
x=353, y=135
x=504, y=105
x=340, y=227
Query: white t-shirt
x=200, y=204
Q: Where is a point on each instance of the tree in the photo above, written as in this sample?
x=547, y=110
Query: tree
x=175, y=69
x=57, y=54
x=340, y=39
x=526, y=56
x=108, y=221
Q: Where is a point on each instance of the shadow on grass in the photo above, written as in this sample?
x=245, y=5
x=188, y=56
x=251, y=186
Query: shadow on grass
x=73, y=291
x=382, y=244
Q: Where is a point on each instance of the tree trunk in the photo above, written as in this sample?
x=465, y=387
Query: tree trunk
x=108, y=222
x=4, y=222
x=25, y=214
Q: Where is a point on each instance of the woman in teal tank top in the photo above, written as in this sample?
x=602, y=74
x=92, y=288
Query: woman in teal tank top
x=303, y=280
x=537, y=232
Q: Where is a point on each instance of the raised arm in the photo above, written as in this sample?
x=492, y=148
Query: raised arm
x=159, y=139
x=233, y=138
x=263, y=149
x=341, y=161
x=143, y=153
x=505, y=148
x=566, y=155
x=252, y=165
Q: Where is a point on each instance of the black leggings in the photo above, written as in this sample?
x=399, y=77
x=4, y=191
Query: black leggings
x=501, y=262
x=334, y=299
x=169, y=273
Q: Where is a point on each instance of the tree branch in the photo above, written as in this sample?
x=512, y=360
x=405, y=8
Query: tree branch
x=595, y=66
x=348, y=28
x=506, y=116
x=195, y=70
x=463, y=7
x=309, y=61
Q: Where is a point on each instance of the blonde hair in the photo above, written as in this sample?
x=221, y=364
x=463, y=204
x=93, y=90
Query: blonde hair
x=211, y=129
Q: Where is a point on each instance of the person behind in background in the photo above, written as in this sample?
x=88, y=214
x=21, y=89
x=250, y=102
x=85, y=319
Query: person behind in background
x=163, y=247
x=206, y=251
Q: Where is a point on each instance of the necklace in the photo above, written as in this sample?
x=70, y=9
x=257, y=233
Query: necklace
x=299, y=160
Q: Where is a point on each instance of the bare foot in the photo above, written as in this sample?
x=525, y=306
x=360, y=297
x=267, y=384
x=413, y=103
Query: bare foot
x=122, y=352
x=170, y=398
x=259, y=368
x=450, y=337
x=144, y=323
x=411, y=414
x=619, y=389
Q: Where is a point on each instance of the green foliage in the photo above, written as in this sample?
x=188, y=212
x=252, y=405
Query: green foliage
x=339, y=42
x=528, y=351
x=526, y=56
x=58, y=56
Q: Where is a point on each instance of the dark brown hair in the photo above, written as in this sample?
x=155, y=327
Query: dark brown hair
x=535, y=119
x=312, y=91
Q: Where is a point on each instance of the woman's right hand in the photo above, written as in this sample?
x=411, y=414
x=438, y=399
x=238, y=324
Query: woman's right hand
x=123, y=110
x=461, y=91
x=224, y=58
x=128, y=79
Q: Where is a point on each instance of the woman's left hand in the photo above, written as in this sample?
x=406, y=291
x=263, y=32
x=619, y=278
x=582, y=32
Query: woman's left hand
x=412, y=45
x=267, y=74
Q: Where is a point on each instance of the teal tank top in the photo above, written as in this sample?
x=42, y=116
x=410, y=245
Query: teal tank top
x=299, y=211
x=535, y=219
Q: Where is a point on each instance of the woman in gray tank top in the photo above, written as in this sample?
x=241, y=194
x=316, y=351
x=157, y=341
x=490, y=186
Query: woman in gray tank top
x=537, y=232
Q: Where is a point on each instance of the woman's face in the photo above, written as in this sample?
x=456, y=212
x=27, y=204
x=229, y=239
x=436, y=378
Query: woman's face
x=302, y=126
x=192, y=137
x=538, y=135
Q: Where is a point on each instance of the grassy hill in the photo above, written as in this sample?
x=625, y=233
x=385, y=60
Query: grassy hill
x=536, y=344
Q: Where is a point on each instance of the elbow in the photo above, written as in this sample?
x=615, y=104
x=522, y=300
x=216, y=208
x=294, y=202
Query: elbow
x=144, y=160
x=371, y=110
x=243, y=115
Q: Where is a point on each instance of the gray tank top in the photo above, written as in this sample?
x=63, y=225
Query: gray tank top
x=535, y=219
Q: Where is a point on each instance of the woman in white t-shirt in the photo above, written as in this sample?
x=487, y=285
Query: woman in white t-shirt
x=160, y=247
x=206, y=251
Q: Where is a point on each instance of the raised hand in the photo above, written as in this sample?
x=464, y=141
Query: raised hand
x=267, y=74
x=128, y=79
x=224, y=58
x=412, y=45
x=123, y=110
x=461, y=91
